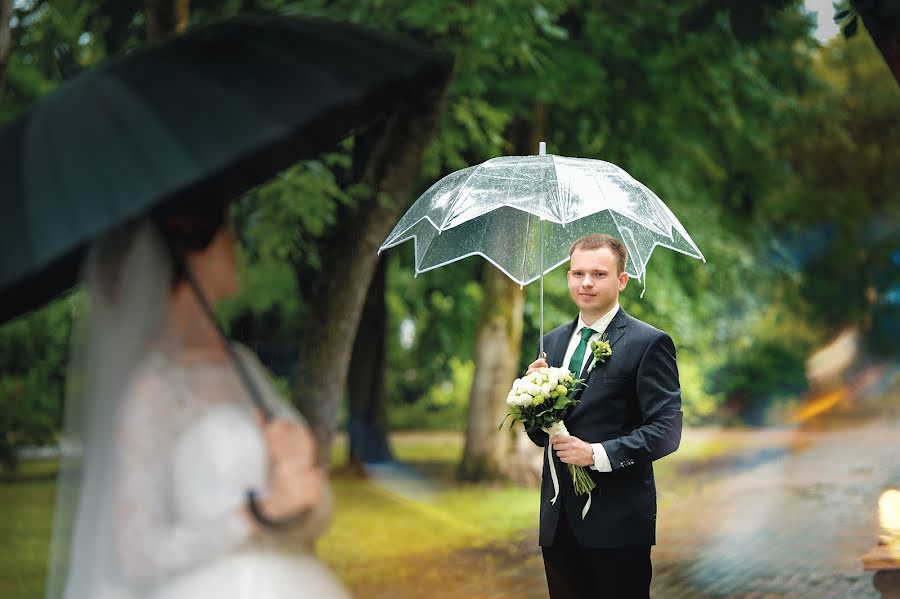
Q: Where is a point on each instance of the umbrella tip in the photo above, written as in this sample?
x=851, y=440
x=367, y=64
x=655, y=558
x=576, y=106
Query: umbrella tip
x=542, y=148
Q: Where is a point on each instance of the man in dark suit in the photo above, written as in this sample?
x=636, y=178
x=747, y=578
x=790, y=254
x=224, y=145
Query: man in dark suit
x=629, y=415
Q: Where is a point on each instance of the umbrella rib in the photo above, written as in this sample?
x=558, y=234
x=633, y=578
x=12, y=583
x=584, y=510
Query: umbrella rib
x=563, y=212
x=492, y=261
x=527, y=238
x=453, y=205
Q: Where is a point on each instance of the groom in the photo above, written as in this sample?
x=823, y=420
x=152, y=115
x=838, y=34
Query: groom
x=629, y=414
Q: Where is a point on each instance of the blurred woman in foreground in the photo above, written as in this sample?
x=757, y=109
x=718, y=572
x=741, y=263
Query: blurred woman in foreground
x=174, y=484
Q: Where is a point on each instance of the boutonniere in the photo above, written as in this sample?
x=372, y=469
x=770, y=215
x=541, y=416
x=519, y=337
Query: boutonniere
x=601, y=350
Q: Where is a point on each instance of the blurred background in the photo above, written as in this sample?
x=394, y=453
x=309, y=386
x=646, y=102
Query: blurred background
x=771, y=136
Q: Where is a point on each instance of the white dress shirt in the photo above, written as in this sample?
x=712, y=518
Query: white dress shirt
x=601, y=460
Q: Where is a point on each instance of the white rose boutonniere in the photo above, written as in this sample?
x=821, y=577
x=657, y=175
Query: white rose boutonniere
x=601, y=350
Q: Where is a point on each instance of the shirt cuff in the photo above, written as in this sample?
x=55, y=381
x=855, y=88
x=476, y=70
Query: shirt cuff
x=601, y=460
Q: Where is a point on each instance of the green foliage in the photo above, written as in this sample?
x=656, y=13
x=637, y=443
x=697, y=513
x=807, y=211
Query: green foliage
x=37, y=29
x=845, y=203
x=754, y=380
x=282, y=226
x=34, y=351
x=443, y=405
x=432, y=319
x=780, y=157
x=764, y=366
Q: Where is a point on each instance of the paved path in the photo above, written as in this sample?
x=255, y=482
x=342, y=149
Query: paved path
x=792, y=527
x=787, y=523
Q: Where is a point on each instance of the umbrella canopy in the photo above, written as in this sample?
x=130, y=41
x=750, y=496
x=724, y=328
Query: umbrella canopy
x=503, y=208
x=225, y=107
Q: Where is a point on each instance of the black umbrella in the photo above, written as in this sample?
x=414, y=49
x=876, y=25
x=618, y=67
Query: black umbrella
x=225, y=106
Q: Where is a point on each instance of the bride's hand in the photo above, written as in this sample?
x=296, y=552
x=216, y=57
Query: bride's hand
x=295, y=482
x=289, y=441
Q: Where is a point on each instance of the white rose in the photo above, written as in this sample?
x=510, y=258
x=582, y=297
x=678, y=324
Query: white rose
x=547, y=389
x=532, y=389
x=516, y=383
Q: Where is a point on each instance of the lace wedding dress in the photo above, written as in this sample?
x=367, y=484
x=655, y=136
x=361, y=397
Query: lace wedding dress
x=190, y=448
x=159, y=452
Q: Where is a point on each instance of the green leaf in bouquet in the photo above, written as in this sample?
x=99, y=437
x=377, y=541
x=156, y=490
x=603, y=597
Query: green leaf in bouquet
x=561, y=402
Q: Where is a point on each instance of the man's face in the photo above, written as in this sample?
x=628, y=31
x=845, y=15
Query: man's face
x=594, y=282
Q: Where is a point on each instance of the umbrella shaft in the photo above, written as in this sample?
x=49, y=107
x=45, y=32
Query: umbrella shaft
x=541, y=332
x=243, y=374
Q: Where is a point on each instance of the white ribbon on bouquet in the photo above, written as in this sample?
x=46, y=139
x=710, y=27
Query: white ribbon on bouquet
x=559, y=428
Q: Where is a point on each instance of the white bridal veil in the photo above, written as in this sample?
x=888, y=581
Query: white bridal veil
x=127, y=277
x=159, y=454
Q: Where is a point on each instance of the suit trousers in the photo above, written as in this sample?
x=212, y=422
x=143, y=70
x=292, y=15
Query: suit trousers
x=578, y=572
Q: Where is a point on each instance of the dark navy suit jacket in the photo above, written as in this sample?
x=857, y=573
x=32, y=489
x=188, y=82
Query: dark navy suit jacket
x=632, y=404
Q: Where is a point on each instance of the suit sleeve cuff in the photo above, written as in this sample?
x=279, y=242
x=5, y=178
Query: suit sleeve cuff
x=601, y=460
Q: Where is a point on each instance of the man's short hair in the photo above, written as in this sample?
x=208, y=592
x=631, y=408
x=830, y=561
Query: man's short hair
x=595, y=241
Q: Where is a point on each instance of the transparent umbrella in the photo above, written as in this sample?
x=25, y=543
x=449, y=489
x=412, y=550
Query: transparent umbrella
x=522, y=213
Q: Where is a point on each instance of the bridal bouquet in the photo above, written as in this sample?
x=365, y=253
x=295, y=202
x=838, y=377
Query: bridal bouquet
x=540, y=400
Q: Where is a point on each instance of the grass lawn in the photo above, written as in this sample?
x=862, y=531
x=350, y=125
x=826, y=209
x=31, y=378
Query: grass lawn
x=26, y=505
x=381, y=523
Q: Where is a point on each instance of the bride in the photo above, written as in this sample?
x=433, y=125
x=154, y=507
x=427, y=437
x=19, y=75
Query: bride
x=174, y=485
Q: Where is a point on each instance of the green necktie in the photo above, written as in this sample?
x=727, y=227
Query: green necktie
x=578, y=356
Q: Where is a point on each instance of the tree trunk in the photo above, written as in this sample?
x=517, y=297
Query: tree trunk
x=490, y=453
x=497, y=348
x=393, y=154
x=367, y=420
x=166, y=18
x=6, y=11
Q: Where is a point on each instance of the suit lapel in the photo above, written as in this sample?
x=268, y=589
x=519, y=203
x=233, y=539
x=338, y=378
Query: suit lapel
x=617, y=327
x=557, y=351
x=614, y=331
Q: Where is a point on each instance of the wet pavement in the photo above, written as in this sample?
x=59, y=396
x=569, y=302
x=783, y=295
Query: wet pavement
x=795, y=526
x=786, y=521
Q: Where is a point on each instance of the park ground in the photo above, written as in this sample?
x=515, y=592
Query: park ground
x=784, y=511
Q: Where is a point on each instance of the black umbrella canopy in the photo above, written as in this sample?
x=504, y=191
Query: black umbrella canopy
x=227, y=106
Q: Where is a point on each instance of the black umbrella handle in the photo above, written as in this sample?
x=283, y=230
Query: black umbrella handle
x=255, y=395
x=249, y=384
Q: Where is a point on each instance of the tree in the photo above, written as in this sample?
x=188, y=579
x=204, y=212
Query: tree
x=498, y=343
x=6, y=13
x=846, y=202
x=774, y=153
x=388, y=160
x=487, y=453
x=367, y=401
